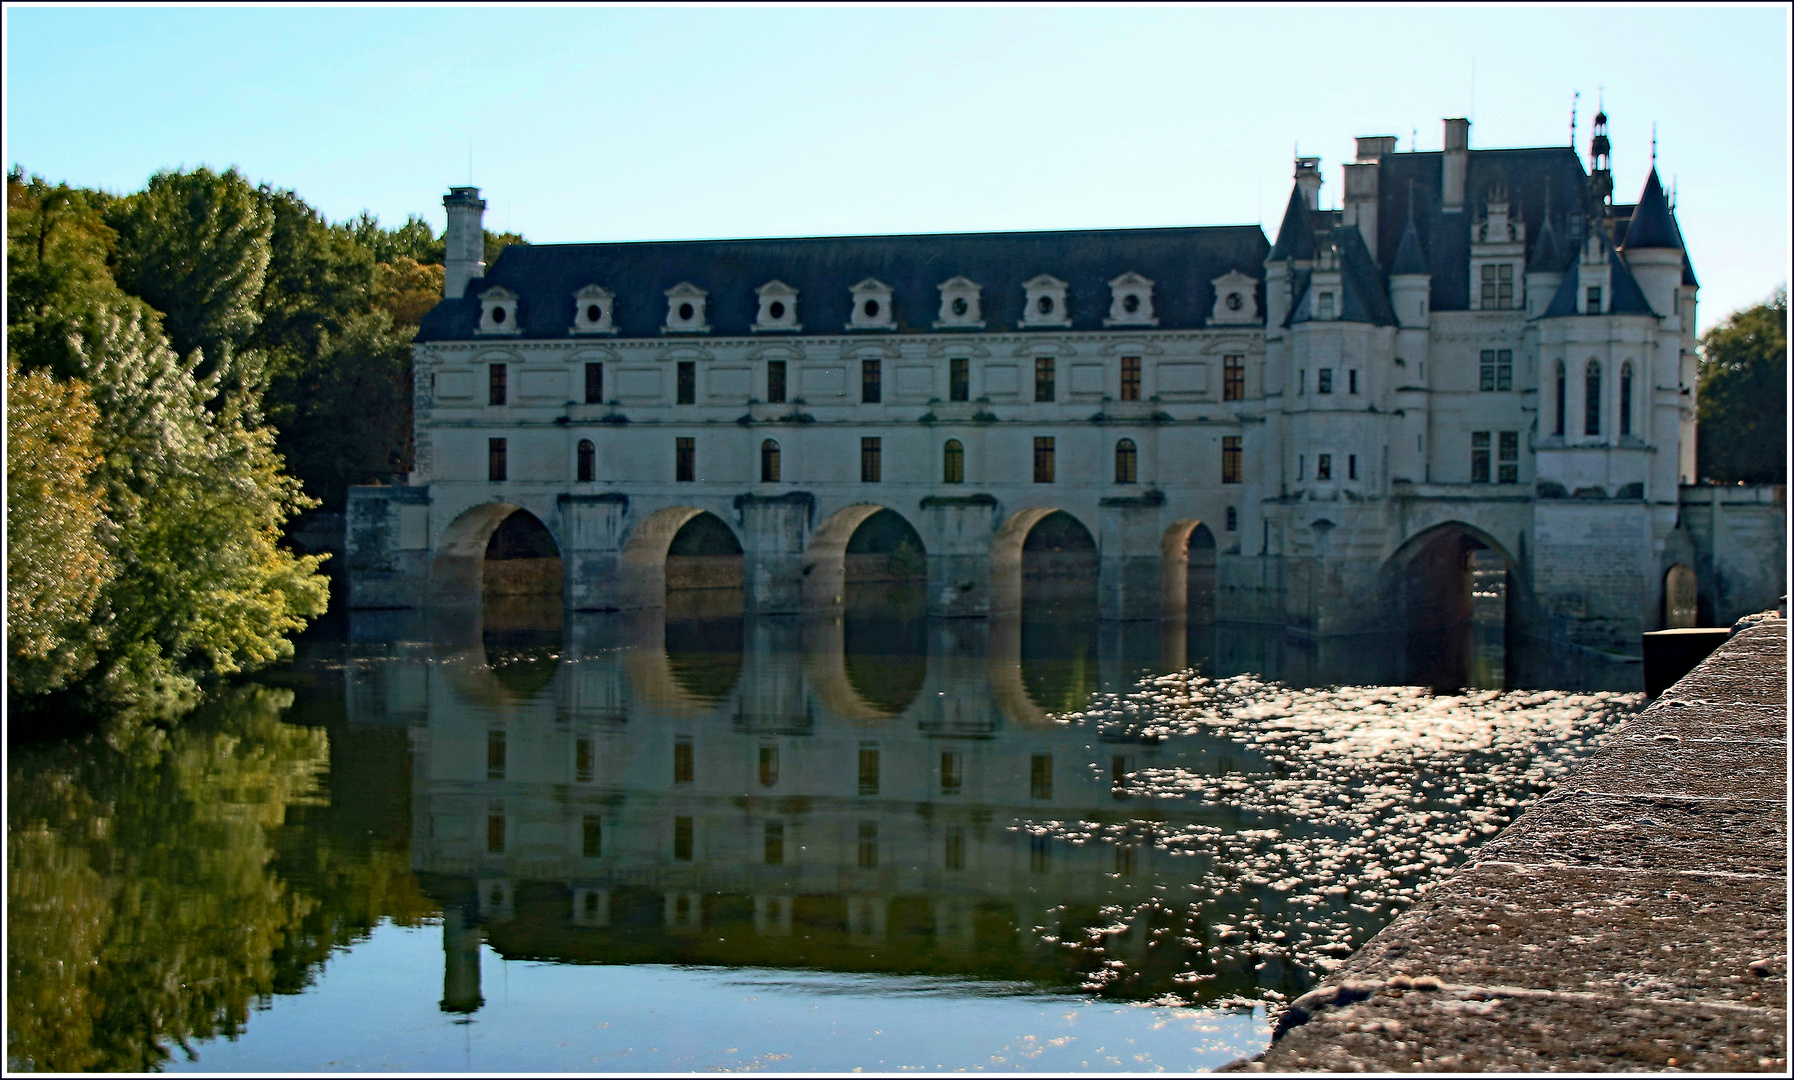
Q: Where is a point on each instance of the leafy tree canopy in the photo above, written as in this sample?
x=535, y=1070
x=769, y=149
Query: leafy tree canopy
x=1743, y=396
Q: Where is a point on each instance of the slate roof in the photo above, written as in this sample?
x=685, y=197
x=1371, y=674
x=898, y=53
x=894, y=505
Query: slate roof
x=1364, y=298
x=1651, y=225
x=1295, y=236
x=1181, y=262
x=1409, y=257
x=1627, y=298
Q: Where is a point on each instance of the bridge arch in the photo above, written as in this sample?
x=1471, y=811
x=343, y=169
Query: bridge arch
x=825, y=556
x=1007, y=550
x=458, y=567
x=642, y=568
x=1188, y=546
x=1450, y=585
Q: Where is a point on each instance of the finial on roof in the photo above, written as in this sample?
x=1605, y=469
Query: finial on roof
x=1575, y=96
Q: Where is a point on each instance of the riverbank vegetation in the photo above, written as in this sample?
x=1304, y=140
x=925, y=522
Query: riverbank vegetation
x=188, y=366
x=1743, y=434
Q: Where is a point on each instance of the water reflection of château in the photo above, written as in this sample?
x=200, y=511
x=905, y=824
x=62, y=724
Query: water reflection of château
x=757, y=793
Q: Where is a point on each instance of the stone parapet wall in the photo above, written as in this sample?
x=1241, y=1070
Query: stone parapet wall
x=1635, y=918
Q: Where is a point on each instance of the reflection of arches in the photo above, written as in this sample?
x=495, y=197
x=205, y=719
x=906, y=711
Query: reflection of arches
x=458, y=572
x=643, y=567
x=704, y=656
x=1188, y=555
x=1681, y=598
x=825, y=560
x=825, y=670
x=1012, y=542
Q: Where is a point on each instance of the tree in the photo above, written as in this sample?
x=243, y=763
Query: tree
x=57, y=567
x=1743, y=396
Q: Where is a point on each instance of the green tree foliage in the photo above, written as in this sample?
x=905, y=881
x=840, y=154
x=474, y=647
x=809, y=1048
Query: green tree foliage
x=1743, y=396
x=57, y=566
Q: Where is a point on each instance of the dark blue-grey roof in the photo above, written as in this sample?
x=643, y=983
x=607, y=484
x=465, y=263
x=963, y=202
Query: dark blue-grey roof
x=1363, y=299
x=1547, y=255
x=1295, y=236
x=1445, y=236
x=1627, y=298
x=1651, y=225
x=1182, y=263
x=1409, y=257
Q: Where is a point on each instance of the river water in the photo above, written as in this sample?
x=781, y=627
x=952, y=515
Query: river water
x=513, y=840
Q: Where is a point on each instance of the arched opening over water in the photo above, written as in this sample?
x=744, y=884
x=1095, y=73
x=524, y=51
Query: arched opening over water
x=1188, y=550
x=1451, y=590
x=684, y=557
x=866, y=549
x=1043, y=577
x=495, y=550
x=885, y=616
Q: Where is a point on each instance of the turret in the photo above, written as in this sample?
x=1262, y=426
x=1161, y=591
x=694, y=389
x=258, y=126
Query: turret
x=1410, y=279
x=1294, y=250
x=1410, y=285
x=1544, y=265
x=464, y=241
x=1653, y=249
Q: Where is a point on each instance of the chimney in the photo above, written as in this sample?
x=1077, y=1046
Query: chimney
x=1375, y=147
x=464, y=242
x=1308, y=178
x=1456, y=164
x=1360, y=207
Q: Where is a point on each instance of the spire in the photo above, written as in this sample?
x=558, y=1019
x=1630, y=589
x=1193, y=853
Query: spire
x=1295, y=237
x=1547, y=255
x=1652, y=224
x=1409, y=259
x=1601, y=164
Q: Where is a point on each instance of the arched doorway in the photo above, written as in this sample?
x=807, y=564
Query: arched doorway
x=1681, y=598
x=1451, y=589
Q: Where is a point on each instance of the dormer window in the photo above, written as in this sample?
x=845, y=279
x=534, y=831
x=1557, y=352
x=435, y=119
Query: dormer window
x=778, y=307
x=1131, y=302
x=1499, y=286
x=961, y=304
x=1236, y=299
x=498, y=311
x=1593, y=306
x=872, y=306
x=592, y=310
x=685, y=310
x=1044, y=302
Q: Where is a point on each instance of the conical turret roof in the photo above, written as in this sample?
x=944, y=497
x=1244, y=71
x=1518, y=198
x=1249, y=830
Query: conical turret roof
x=1409, y=258
x=1295, y=237
x=1652, y=225
x=1547, y=254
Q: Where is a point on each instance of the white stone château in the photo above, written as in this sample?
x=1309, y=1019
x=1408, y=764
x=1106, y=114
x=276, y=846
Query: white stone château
x=1479, y=361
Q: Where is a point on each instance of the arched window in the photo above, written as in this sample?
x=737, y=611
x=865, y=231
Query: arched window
x=1126, y=458
x=1562, y=395
x=953, y=463
x=1591, y=399
x=769, y=462
x=588, y=460
x=1626, y=398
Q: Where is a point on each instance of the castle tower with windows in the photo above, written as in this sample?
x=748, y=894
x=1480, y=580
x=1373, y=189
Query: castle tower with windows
x=1477, y=364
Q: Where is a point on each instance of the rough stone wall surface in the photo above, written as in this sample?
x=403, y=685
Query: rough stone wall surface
x=1635, y=918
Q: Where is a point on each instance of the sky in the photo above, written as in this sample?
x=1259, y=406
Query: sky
x=602, y=124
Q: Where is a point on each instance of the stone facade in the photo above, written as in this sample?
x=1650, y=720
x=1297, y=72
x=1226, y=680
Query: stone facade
x=1478, y=347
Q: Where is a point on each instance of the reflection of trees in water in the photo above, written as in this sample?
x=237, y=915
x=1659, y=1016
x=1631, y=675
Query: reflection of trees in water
x=149, y=873
x=886, y=656
x=705, y=656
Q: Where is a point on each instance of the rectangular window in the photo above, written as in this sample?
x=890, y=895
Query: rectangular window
x=1323, y=381
x=1233, y=378
x=1302, y=381
x=1557, y=426
x=1323, y=466
x=1043, y=459
x=495, y=830
x=1479, y=457
x=685, y=455
x=1130, y=378
x=775, y=381
x=495, y=459
x=871, y=463
x=1325, y=309
x=868, y=845
x=1508, y=457
x=1301, y=464
x=1486, y=373
x=591, y=841
x=495, y=755
x=868, y=769
x=1351, y=466
x=688, y=382
x=952, y=774
x=1504, y=286
x=1230, y=459
x=1497, y=370
x=682, y=839
x=594, y=384
x=1352, y=378
x=1043, y=378
x=582, y=761
x=774, y=847
x=682, y=761
x=1594, y=300
x=1040, y=776
x=495, y=384
x=872, y=385
x=959, y=379
x=1233, y=518
x=769, y=766
x=953, y=853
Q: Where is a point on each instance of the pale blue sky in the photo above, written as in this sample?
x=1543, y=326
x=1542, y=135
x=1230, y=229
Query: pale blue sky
x=664, y=123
